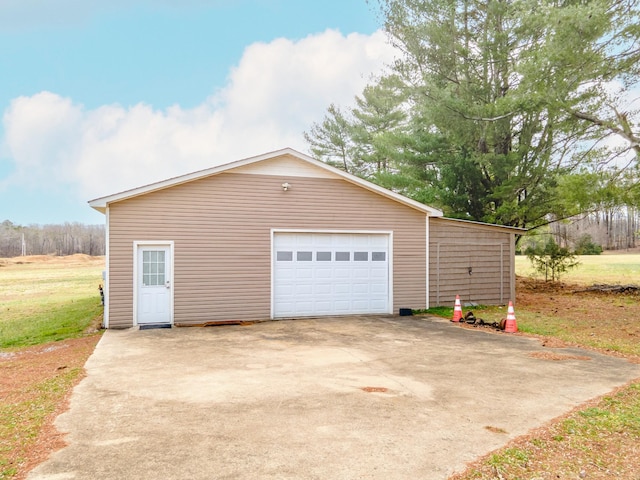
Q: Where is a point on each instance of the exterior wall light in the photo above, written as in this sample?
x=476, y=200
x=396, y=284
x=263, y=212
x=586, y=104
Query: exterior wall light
x=286, y=186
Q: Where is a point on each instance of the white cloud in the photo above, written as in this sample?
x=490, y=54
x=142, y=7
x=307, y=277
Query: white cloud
x=40, y=133
x=275, y=92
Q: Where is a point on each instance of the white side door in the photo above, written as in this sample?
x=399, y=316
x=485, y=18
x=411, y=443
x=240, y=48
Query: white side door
x=153, y=284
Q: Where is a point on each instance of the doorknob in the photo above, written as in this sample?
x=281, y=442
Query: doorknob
x=167, y=284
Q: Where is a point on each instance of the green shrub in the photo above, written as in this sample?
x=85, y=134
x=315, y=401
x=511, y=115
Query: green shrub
x=586, y=246
x=551, y=260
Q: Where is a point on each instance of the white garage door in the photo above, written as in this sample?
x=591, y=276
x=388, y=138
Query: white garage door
x=330, y=274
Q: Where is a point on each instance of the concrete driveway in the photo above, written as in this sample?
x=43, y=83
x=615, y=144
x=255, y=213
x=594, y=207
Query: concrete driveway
x=341, y=398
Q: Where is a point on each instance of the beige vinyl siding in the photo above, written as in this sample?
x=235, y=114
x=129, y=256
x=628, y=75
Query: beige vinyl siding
x=454, y=247
x=221, y=226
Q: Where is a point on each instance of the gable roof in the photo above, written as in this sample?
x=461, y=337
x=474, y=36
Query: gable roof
x=102, y=203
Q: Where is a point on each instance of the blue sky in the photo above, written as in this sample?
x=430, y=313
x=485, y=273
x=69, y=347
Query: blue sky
x=97, y=97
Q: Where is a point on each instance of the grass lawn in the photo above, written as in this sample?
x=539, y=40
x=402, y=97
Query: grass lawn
x=46, y=299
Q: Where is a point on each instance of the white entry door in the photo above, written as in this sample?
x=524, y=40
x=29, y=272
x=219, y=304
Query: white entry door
x=154, y=284
x=330, y=274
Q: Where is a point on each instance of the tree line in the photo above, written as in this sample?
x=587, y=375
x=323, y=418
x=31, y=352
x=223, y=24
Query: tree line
x=64, y=239
x=611, y=229
x=515, y=112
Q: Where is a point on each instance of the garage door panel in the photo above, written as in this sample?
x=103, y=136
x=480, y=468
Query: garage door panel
x=287, y=273
x=342, y=272
x=303, y=305
x=286, y=308
x=319, y=240
x=323, y=289
x=303, y=273
x=379, y=244
x=329, y=274
x=379, y=302
x=378, y=273
x=361, y=304
x=322, y=307
x=360, y=273
x=360, y=288
x=285, y=290
x=323, y=273
x=304, y=289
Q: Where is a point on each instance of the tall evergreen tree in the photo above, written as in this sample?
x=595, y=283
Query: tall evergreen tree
x=331, y=140
x=505, y=97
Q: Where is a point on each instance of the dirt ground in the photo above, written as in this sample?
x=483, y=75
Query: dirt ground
x=68, y=261
x=21, y=371
x=602, y=320
x=608, y=317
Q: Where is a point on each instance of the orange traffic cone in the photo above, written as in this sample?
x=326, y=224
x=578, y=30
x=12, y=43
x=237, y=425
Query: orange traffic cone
x=457, y=310
x=510, y=326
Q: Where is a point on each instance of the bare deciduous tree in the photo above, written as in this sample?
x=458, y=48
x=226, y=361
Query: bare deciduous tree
x=64, y=239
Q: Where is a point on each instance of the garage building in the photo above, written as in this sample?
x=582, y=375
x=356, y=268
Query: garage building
x=283, y=235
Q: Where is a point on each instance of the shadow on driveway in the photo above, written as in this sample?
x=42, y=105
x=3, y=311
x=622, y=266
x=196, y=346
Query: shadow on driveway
x=339, y=398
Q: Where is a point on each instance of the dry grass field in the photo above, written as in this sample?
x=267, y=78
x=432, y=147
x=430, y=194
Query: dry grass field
x=610, y=268
x=28, y=283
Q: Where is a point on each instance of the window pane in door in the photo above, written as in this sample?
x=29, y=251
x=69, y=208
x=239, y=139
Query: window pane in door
x=304, y=256
x=153, y=268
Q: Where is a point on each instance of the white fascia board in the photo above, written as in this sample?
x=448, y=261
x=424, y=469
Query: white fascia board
x=101, y=203
x=433, y=212
x=493, y=226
